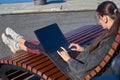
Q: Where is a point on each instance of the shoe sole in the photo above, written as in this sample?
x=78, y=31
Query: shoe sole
x=4, y=39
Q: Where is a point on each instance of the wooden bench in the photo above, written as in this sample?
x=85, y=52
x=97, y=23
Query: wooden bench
x=41, y=65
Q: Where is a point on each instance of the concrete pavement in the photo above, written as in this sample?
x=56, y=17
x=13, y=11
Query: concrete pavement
x=68, y=5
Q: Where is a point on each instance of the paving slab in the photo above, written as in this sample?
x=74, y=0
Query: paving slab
x=68, y=5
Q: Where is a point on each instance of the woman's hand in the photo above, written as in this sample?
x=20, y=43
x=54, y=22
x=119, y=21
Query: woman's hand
x=64, y=54
x=76, y=47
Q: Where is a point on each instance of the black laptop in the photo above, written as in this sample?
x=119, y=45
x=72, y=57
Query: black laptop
x=51, y=39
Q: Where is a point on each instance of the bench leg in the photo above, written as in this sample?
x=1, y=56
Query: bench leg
x=9, y=72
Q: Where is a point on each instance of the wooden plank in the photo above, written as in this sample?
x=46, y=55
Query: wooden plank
x=93, y=73
x=98, y=68
x=40, y=66
x=46, y=69
x=24, y=65
x=63, y=78
x=26, y=59
x=41, y=61
x=87, y=77
x=117, y=39
x=107, y=58
x=4, y=60
x=57, y=75
x=50, y=72
x=15, y=62
x=81, y=30
x=88, y=39
x=82, y=33
x=111, y=52
x=102, y=64
x=10, y=60
x=87, y=36
x=115, y=45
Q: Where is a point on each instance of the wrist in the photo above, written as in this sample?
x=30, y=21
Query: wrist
x=82, y=49
x=68, y=59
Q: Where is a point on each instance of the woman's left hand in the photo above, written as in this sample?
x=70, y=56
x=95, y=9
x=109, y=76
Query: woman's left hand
x=64, y=54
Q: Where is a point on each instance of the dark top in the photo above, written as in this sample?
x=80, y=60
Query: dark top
x=86, y=61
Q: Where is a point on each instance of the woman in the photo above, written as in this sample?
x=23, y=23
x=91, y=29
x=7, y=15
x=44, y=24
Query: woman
x=90, y=56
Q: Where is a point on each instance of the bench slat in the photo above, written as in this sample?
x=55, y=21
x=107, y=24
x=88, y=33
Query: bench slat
x=47, y=63
x=15, y=62
x=41, y=61
x=10, y=61
x=57, y=75
x=49, y=73
x=26, y=60
x=83, y=33
x=25, y=64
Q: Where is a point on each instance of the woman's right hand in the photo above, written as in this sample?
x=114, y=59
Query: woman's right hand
x=64, y=54
x=76, y=47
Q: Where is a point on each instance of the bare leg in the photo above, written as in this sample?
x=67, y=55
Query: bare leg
x=21, y=43
x=31, y=46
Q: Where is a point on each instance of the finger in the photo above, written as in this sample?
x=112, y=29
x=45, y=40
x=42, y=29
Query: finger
x=63, y=49
x=72, y=44
x=73, y=49
x=58, y=52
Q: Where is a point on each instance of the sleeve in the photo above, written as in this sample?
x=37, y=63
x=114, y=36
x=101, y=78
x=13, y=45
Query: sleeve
x=79, y=61
x=75, y=66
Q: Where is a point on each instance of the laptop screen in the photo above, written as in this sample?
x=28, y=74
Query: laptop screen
x=50, y=37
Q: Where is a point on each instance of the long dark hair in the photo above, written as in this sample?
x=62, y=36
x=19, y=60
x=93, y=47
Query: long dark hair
x=107, y=8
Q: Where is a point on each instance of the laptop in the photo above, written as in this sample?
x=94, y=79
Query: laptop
x=51, y=39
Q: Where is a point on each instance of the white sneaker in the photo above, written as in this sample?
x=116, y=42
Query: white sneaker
x=10, y=43
x=13, y=34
